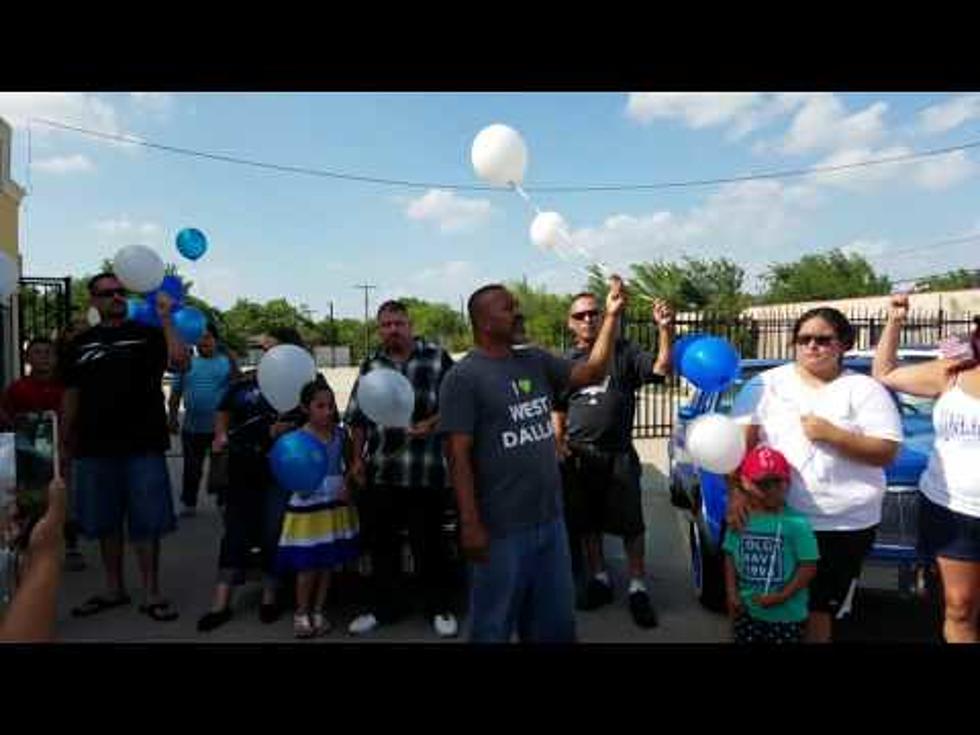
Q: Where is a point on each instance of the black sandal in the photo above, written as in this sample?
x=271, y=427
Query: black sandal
x=161, y=611
x=97, y=603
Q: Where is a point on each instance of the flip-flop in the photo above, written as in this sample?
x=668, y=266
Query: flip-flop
x=161, y=611
x=98, y=603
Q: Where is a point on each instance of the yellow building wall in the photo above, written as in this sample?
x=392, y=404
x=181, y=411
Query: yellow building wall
x=8, y=224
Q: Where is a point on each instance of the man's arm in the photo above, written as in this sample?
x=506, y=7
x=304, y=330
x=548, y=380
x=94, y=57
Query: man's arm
x=176, y=351
x=222, y=419
x=173, y=404
x=559, y=420
x=663, y=317
x=474, y=539
x=69, y=422
x=592, y=370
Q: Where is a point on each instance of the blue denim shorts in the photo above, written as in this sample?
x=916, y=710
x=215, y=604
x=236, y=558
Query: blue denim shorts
x=525, y=587
x=132, y=488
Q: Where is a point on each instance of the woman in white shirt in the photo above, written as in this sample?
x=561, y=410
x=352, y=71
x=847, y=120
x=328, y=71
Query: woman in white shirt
x=838, y=429
x=949, y=514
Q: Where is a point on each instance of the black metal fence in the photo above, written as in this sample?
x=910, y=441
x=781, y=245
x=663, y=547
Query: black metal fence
x=44, y=306
x=769, y=336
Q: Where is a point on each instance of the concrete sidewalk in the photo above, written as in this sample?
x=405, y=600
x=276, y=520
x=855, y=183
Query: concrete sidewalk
x=189, y=564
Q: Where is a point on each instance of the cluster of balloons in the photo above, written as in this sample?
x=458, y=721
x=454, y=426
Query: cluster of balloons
x=141, y=270
x=714, y=441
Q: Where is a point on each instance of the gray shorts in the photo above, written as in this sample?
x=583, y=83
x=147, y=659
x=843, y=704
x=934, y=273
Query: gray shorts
x=132, y=488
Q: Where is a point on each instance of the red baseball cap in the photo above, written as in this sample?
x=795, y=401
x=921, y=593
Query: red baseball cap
x=761, y=462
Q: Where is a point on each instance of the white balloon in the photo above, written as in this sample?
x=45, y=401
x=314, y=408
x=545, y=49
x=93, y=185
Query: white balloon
x=282, y=373
x=716, y=443
x=8, y=276
x=499, y=155
x=138, y=268
x=549, y=231
x=386, y=397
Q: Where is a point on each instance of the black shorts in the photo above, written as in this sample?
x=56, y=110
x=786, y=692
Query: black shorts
x=841, y=555
x=946, y=533
x=602, y=492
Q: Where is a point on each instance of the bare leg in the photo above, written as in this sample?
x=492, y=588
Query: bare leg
x=222, y=597
x=593, y=554
x=322, y=587
x=112, y=560
x=148, y=559
x=305, y=588
x=961, y=592
x=634, y=552
x=819, y=627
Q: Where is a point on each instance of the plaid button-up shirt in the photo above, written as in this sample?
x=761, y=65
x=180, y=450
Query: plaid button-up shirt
x=392, y=457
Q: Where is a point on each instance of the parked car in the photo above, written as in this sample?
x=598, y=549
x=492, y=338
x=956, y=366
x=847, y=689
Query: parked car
x=703, y=495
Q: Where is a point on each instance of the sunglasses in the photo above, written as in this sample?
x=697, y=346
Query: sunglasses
x=768, y=484
x=582, y=315
x=110, y=292
x=820, y=340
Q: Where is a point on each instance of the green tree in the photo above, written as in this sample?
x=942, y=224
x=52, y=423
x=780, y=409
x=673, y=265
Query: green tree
x=952, y=281
x=823, y=276
x=545, y=313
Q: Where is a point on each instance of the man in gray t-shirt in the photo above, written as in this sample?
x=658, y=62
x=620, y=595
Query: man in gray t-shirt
x=503, y=462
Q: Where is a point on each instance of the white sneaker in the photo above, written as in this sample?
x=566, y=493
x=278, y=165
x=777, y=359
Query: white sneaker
x=362, y=624
x=445, y=625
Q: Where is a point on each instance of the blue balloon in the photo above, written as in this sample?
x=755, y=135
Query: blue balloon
x=681, y=345
x=711, y=363
x=298, y=462
x=138, y=310
x=191, y=243
x=190, y=324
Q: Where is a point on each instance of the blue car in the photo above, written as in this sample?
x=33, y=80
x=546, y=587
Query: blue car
x=703, y=495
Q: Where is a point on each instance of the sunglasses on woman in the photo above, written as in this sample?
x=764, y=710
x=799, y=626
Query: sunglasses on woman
x=582, y=315
x=820, y=340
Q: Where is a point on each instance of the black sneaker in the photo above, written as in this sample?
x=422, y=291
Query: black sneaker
x=597, y=594
x=642, y=610
x=213, y=619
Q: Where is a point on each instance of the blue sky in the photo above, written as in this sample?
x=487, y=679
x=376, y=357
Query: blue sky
x=311, y=239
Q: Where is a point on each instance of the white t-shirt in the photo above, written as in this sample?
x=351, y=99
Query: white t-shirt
x=834, y=492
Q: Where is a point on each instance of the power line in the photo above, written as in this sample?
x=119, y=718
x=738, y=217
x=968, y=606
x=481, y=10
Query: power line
x=327, y=173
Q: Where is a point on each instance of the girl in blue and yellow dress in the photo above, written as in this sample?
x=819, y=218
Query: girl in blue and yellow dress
x=320, y=530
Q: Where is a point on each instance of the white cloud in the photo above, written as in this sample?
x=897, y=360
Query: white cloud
x=218, y=285
x=870, y=249
x=747, y=221
x=73, y=108
x=123, y=227
x=450, y=212
x=64, y=164
x=823, y=124
x=945, y=171
x=861, y=178
x=696, y=109
x=950, y=114
x=442, y=282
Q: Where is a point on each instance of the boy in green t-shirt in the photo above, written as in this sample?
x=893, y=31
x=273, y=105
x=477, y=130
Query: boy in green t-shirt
x=772, y=560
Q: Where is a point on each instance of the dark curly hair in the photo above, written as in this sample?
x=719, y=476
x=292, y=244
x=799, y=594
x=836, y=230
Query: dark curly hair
x=309, y=391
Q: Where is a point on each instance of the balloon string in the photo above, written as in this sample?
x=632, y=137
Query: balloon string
x=525, y=197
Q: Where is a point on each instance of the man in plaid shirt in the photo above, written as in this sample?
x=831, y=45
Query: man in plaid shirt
x=404, y=480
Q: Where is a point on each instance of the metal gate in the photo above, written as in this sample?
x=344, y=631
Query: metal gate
x=44, y=308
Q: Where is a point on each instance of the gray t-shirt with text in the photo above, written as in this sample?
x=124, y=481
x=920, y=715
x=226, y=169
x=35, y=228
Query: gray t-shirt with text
x=505, y=405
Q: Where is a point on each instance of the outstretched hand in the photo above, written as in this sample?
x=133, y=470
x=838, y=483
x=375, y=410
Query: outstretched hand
x=898, y=307
x=663, y=314
x=616, y=299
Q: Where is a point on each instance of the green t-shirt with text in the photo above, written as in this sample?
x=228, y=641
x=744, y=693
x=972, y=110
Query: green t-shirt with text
x=770, y=548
